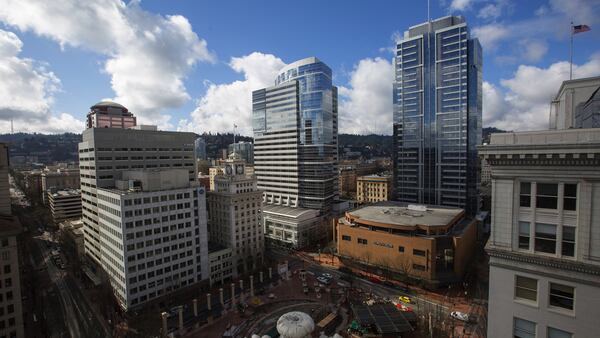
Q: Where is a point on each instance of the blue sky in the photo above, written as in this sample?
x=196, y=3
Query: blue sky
x=191, y=65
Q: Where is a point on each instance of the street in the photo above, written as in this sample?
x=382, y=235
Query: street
x=66, y=310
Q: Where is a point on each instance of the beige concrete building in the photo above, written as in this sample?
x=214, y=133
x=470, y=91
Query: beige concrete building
x=294, y=227
x=235, y=215
x=212, y=173
x=60, y=178
x=545, y=233
x=373, y=188
x=571, y=94
x=544, y=246
x=74, y=233
x=64, y=204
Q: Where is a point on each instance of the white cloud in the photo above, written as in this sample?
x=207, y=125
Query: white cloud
x=523, y=101
x=489, y=11
x=26, y=91
x=365, y=106
x=229, y=103
x=460, y=5
x=148, y=55
x=549, y=22
x=490, y=35
x=533, y=50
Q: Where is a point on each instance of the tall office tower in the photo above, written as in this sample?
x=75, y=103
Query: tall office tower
x=108, y=114
x=235, y=219
x=11, y=316
x=296, y=136
x=437, y=114
x=244, y=149
x=200, y=146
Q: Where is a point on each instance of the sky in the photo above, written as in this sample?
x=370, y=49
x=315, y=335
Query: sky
x=192, y=65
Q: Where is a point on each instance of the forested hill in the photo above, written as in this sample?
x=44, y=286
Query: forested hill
x=63, y=147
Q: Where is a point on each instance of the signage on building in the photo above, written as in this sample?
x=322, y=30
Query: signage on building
x=387, y=245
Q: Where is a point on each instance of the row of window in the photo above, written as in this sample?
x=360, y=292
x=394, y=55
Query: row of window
x=545, y=238
x=523, y=328
x=560, y=296
x=136, y=149
x=546, y=195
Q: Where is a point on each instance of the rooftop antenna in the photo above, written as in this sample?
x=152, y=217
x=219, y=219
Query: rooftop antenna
x=12, y=129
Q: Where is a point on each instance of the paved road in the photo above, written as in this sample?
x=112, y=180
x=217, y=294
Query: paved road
x=77, y=313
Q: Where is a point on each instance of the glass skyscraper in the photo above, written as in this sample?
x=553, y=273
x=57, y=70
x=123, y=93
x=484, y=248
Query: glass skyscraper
x=296, y=136
x=437, y=114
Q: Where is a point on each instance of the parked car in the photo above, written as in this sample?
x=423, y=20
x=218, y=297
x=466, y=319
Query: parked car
x=460, y=316
x=405, y=299
x=324, y=280
x=327, y=275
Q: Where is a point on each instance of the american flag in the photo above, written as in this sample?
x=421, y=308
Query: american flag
x=580, y=29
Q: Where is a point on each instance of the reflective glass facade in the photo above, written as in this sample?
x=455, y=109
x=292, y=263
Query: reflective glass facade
x=437, y=115
x=295, y=132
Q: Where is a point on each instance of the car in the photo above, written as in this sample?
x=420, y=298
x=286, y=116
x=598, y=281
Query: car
x=460, y=316
x=375, y=280
x=323, y=280
x=405, y=299
x=327, y=275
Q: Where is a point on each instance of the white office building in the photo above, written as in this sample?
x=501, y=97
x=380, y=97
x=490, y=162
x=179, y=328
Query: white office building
x=152, y=234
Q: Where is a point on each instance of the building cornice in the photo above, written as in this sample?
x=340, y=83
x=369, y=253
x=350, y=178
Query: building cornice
x=560, y=159
x=550, y=262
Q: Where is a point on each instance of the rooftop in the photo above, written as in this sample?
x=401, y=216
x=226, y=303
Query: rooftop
x=578, y=136
x=66, y=193
x=108, y=104
x=214, y=246
x=288, y=211
x=403, y=214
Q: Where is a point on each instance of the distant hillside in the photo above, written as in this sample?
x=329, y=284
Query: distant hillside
x=487, y=131
x=63, y=147
x=367, y=145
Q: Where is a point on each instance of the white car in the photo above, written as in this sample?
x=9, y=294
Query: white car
x=327, y=275
x=323, y=280
x=460, y=316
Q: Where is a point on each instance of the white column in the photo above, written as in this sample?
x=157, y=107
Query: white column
x=208, y=303
x=164, y=317
x=195, y=301
x=180, y=318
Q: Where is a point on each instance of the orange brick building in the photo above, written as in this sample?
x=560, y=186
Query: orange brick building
x=429, y=243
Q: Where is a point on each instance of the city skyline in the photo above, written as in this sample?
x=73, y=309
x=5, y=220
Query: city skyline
x=209, y=71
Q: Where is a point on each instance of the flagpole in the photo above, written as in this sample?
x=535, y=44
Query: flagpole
x=571, y=54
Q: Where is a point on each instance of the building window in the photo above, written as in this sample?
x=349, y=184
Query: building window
x=570, y=197
x=568, y=241
x=362, y=241
x=525, y=288
x=418, y=252
x=545, y=238
x=523, y=328
x=562, y=296
x=401, y=248
x=419, y=267
x=524, y=234
x=556, y=333
x=346, y=238
x=547, y=195
x=525, y=197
